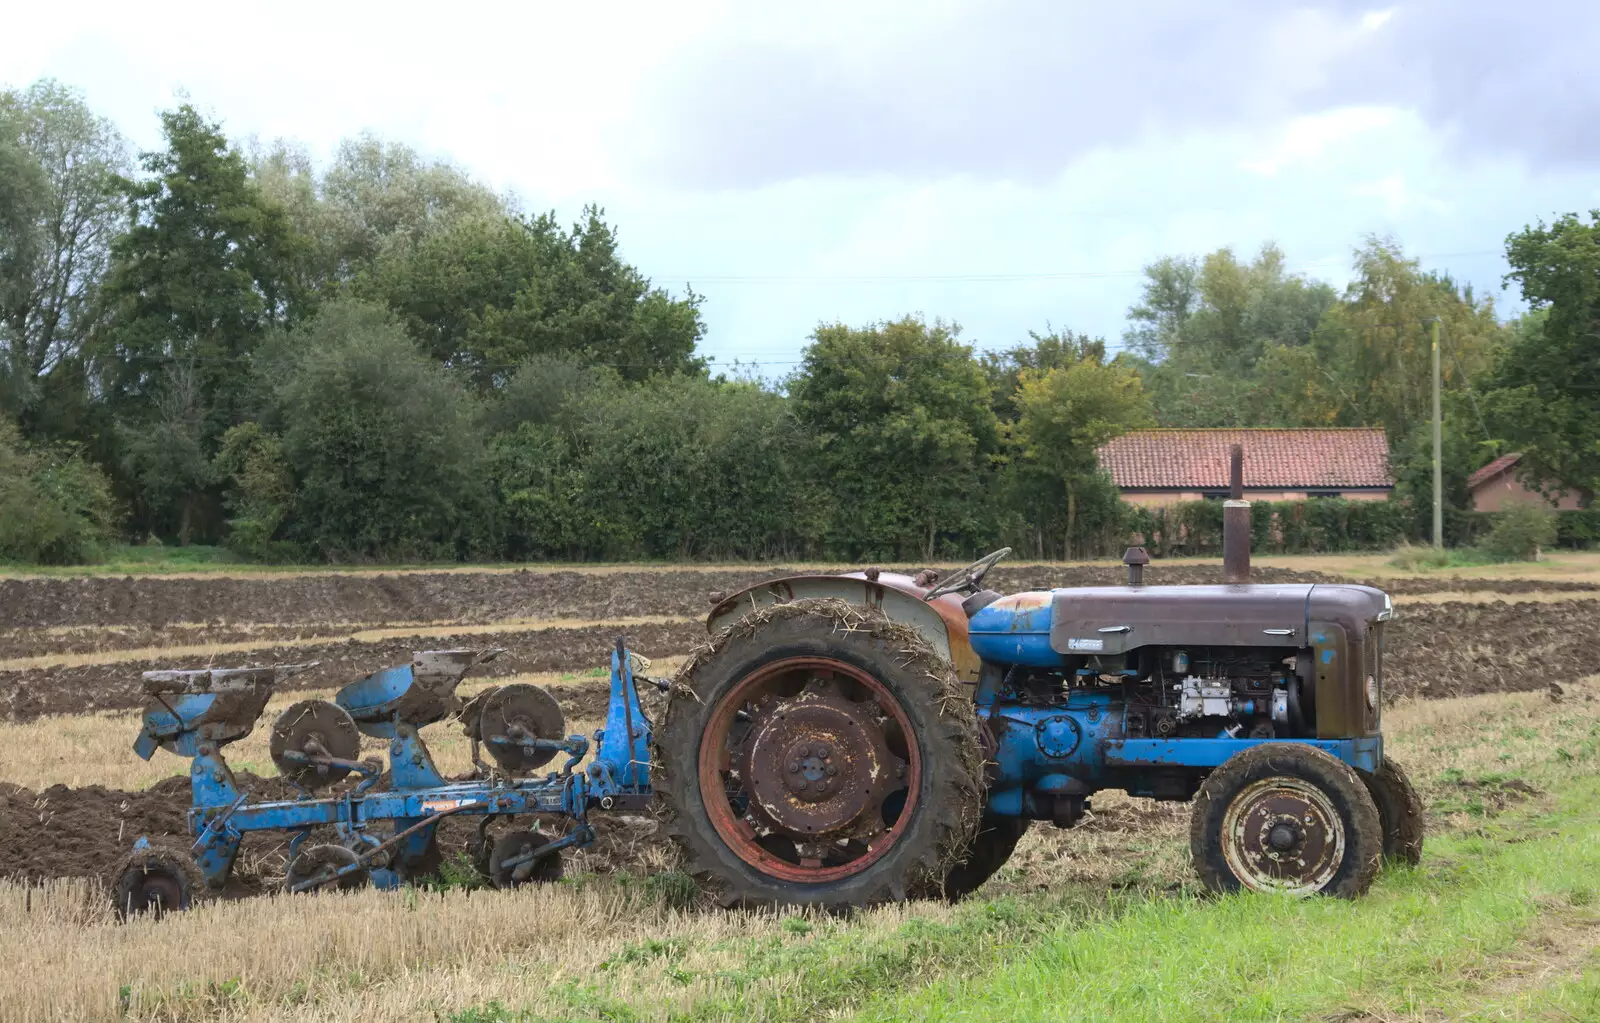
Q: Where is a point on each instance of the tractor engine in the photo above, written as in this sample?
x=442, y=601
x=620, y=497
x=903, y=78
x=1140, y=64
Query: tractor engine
x=1147, y=689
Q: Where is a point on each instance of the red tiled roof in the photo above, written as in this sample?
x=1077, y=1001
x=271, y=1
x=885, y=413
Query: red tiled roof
x=1493, y=469
x=1273, y=459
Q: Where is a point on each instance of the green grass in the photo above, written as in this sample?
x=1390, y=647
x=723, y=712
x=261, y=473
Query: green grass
x=1421, y=939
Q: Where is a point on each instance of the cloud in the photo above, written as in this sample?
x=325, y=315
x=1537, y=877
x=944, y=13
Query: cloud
x=1019, y=89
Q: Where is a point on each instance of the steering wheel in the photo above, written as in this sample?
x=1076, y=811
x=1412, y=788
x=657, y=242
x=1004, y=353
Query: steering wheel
x=971, y=576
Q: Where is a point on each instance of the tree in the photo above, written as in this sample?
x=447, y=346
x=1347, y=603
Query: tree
x=486, y=293
x=1218, y=336
x=1377, y=340
x=902, y=436
x=1170, y=294
x=202, y=272
x=60, y=205
x=1067, y=412
x=379, y=193
x=382, y=442
x=1544, y=391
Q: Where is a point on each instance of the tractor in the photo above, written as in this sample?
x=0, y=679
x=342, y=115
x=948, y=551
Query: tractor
x=867, y=737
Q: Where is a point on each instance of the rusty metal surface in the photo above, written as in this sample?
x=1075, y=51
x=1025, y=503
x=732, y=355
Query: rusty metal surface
x=520, y=712
x=315, y=728
x=814, y=765
x=1236, y=542
x=1282, y=833
x=756, y=803
x=201, y=681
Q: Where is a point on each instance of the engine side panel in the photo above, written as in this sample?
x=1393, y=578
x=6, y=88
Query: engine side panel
x=1115, y=619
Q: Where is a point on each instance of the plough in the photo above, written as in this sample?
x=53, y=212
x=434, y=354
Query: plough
x=382, y=828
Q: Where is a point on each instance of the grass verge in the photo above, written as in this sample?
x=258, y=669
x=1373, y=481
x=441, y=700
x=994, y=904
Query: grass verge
x=1422, y=939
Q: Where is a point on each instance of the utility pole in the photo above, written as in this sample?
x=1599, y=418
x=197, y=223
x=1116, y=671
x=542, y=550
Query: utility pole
x=1438, y=447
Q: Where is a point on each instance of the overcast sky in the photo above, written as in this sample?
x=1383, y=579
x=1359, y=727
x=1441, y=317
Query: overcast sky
x=1003, y=165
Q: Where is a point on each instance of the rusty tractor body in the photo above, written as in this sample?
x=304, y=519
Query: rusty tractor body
x=1261, y=704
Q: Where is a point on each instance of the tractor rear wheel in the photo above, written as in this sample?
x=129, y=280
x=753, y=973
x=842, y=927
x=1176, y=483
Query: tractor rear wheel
x=1289, y=818
x=996, y=840
x=1400, y=810
x=820, y=753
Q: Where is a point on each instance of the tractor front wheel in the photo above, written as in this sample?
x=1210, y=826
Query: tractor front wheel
x=820, y=754
x=1287, y=818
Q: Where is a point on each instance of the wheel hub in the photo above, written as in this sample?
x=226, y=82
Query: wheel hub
x=814, y=763
x=1283, y=834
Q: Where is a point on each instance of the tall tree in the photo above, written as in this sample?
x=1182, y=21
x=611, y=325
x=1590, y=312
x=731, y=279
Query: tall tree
x=1377, y=340
x=486, y=293
x=1210, y=330
x=903, y=435
x=1545, y=387
x=203, y=270
x=378, y=193
x=1067, y=412
x=60, y=205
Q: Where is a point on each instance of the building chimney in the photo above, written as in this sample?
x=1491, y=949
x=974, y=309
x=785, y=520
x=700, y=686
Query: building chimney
x=1236, y=523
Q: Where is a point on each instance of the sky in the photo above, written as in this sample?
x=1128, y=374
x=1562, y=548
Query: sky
x=1008, y=166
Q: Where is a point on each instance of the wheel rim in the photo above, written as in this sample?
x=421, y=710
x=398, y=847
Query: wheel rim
x=809, y=769
x=158, y=891
x=1283, y=835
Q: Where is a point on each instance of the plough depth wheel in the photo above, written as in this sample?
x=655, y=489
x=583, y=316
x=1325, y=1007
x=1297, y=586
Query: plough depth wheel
x=512, y=862
x=320, y=865
x=156, y=880
x=826, y=756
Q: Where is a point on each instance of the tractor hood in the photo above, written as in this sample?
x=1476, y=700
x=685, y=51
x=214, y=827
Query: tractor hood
x=1111, y=620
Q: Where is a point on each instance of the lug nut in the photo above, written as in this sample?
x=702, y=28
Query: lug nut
x=794, y=766
x=832, y=770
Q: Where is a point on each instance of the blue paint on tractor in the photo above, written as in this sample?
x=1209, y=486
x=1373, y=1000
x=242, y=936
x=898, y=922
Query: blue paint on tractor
x=1015, y=630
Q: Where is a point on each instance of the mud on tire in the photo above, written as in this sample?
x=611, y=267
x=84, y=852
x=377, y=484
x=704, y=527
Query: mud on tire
x=1331, y=837
x=943, y=812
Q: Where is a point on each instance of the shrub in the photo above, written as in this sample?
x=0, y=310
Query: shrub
x=55, y=508
x=1519, y=533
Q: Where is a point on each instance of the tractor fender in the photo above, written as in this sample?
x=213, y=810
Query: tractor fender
x=941, y=620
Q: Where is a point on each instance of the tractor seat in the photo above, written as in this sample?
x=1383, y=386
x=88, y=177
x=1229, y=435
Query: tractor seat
x=204, y=681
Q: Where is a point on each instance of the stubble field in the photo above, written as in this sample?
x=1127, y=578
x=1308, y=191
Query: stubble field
x=1490, y=675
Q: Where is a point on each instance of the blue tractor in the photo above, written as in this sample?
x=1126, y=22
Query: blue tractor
x=859, y=738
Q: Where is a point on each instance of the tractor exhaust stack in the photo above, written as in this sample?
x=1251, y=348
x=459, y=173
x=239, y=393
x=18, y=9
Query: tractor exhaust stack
x=1236, y=523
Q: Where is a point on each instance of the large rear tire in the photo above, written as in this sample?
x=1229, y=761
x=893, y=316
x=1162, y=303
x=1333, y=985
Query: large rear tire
x=1400, y=811
x=819, y=753
x=1286, y=817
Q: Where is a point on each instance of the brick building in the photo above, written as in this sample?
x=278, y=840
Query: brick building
x=1496, y=487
